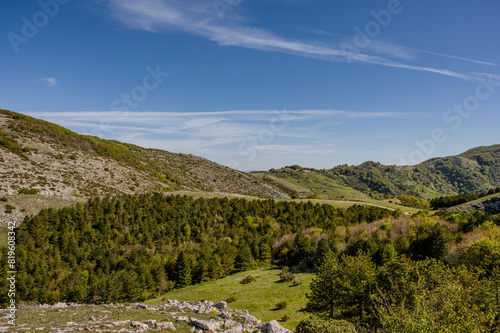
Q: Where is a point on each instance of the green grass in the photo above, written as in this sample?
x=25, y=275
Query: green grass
x=259, y=297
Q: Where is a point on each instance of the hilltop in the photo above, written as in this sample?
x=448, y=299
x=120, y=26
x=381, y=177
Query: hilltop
x=474, y=171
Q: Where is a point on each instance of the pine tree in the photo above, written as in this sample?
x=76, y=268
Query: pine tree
x=265, y=253
x=324, y=292
x=182, y=271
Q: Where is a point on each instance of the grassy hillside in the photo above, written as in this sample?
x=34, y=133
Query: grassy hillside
x=259, y=297
x=474, y=171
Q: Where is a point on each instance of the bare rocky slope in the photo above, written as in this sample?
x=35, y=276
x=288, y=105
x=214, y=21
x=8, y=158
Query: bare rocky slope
x=38, y=157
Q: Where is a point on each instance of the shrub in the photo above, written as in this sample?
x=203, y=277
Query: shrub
x=248, y=279
x=230, y=299
x=285, y=318
x=281, y=305
x=60, y=156
x=286, y=275
x=4, y=199
x=325, y=326
x=296, y=283
x=31, y=191
x=26, y=149
x=411, y=201
x=386, y=226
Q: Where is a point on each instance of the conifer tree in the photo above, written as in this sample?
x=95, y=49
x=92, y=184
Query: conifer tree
x=182, y=271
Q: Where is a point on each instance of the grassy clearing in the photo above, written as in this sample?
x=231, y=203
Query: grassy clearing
x=259, y=297
x=26, y=205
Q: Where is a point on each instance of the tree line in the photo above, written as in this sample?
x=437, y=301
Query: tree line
x=454, y=200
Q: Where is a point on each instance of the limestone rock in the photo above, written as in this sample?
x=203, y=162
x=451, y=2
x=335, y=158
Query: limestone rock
x=206, y=324
x=273, y=327
x=140, y=325
x=59, y=306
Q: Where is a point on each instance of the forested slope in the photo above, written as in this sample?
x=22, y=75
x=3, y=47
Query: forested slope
x=474, y=171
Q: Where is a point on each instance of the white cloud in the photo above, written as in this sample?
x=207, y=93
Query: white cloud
x=316, y=31
x=49, y=81
x=456, y=57
x=199, y=18
x=200, y=122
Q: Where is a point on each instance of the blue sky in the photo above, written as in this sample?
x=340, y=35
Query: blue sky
x=259, y=84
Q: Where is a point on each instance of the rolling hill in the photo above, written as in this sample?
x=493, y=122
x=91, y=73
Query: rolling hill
x=474, y=171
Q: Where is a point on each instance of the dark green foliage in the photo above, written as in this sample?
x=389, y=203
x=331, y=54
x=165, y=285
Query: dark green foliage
x=403, y=295
x=131, y=248
x=325, y=326
x=248, y=279
x=29, y=191
x=282, y=305
x=182, y=271
x=7, y=141
x=454, y=200
x=428, y=296
x=230, y=299
x=411, y=201
x=286, y=275
x=341, y=289
x=431, y=242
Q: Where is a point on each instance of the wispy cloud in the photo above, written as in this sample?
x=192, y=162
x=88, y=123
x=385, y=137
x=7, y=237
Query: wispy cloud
x=316, y=31
x=455, y=57
x=410, y=53
x=198, y=17
x=49, y=81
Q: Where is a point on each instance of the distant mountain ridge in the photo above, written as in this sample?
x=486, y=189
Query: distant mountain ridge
x=474, y=171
